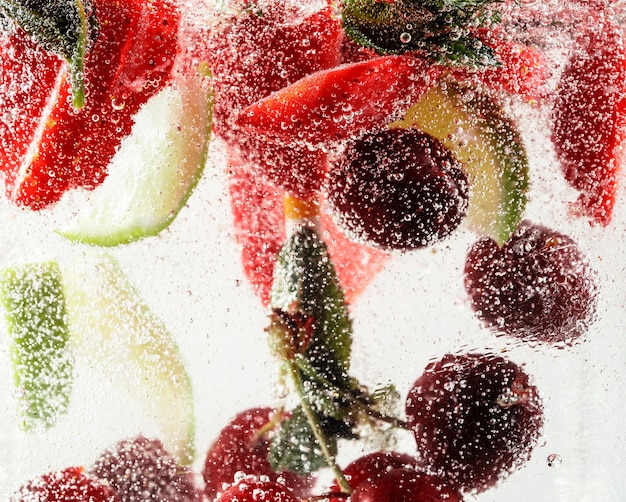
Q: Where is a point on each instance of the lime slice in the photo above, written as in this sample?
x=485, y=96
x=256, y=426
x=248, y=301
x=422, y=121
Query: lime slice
x=486, y=142
x=111, y=322
x=154, y=172
x=35, y=311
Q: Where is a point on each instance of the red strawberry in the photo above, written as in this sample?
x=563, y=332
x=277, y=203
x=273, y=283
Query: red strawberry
x=129, y=61
x=342, y=102
x=589, y=118
x=523, y=71
x=29, y=75
x=263, y=49
x=259, y=227
x=68, y=485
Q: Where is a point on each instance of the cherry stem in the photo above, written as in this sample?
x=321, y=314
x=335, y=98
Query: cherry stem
x=317, y=429
x=299, y=212
x=271, y=424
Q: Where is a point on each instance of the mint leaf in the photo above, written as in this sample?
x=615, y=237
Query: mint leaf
x=60, y=26
x=438, y=29
x=295, y=447
x=305, y=281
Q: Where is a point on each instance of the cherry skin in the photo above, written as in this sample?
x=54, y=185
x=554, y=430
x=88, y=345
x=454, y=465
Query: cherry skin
x=372, y=465
x=475, y=418
x=252, y=490
x=242, y=447
x=538, y=287
x=397, y=189
x=404, y=485
x=141, y=469
x=69, y=485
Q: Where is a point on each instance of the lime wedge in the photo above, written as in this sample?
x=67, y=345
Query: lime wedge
x=111, y=322
x=154, y=172
x=35, y=311
x=475, y=128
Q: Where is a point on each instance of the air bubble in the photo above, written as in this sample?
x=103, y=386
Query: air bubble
x=405, y=38
x=118, y=105
x=554, y=460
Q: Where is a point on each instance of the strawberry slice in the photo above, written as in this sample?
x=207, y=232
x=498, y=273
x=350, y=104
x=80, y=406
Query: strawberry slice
x=260, y=50
x=260, y=230
x=588, y=118
x=21, y=60
x=129, y=61
x=339, y=103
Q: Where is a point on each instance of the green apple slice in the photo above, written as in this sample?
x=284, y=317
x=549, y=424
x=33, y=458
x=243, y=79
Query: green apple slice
x=110, y=321
x=486, y=142
x=154, y=172
x=35, y=311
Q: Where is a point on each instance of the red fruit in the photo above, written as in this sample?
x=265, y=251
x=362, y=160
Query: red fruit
x=404, y=485
x=266, y=47
x=29, y=75
x=397, y=189
x=142, y=469
x=251, y=490
x=342, y=102
x=263, y=49
x=372, y=466
x=260, y=230
x=242, y=447
x=588, y=118
x=68, y=485
x=475, y=418
x=130, y=60
x=537, y=287
x=523, y=71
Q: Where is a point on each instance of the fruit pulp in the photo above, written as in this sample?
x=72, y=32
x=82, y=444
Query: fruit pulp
x=414, y=311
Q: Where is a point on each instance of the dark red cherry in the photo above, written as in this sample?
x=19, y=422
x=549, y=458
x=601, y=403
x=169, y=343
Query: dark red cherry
x=538, y=287
x=371, y=466
x=404, y=485
x=475, y=418
x=142, y=469
x=253, y=490
x=243, y=447
x=397, y=189
x=69, y=485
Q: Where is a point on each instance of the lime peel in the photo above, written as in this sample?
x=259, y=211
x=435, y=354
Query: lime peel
x=109, y=321
x=40, y=354
x=486, y=142
x=155, y=171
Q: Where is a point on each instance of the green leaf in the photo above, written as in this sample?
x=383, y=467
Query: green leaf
x=321, y=394
x=305, y=281
x=35, y=310
x=438, y=29
x=464, y=51
x=60, y=26
x=295, y=447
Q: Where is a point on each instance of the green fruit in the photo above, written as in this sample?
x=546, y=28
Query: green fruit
x=486, y=142
x=116, y=329
x=155, y=171
x=35, y=311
